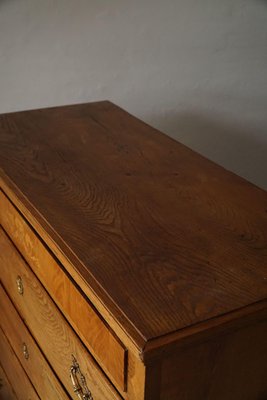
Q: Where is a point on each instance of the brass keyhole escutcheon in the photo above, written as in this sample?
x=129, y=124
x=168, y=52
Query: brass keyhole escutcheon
x=25, y=351
x=20, y=285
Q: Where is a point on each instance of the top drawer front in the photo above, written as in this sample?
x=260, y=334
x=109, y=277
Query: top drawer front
x=99, y=339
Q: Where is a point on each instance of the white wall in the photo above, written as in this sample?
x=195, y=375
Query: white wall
x=197, y=69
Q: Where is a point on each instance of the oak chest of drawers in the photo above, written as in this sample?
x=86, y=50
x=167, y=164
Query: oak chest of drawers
x=131, y=267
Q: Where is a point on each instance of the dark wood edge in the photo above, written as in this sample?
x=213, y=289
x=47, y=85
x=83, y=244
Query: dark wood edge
x=104, y=101
x=161, y=347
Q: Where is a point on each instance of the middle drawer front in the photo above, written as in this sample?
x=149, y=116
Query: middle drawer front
x=50, y=329
x=28, y=353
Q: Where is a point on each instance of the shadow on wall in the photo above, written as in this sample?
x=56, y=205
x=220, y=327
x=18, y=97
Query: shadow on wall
x=5, y=2
x=234, y=147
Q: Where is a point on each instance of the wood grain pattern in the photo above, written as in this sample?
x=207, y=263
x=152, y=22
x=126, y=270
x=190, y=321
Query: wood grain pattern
x=49, y=328
x=184, y=237
x=6, y=390
x=99, y=339
x=14, y=372
x=119, y=325
x=42, y=376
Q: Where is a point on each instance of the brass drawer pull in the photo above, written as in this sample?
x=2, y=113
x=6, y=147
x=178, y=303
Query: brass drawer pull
x=20, y=285
x=81, y=390
x=25, y=351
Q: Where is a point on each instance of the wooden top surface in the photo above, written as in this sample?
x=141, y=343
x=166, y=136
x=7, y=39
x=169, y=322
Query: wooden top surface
x=164, y=235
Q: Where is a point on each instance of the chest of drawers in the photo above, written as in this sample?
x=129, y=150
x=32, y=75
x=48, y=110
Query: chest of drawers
x=131, y=267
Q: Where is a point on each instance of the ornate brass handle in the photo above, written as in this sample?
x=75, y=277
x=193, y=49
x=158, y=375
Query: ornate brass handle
x=80, y=389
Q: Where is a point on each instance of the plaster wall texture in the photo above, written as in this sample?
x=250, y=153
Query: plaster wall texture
x=195, y=69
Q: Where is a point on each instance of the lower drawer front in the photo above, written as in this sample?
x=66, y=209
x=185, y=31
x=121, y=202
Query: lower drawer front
x=14, y=372
x=28, y=353
x=6, y=390
x=56, y=338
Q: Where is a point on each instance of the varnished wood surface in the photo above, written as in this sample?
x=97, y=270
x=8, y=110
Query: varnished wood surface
x=15, y=373
x=42, y=377
x=49, y=328
x=97, y=336
x=166, y=236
